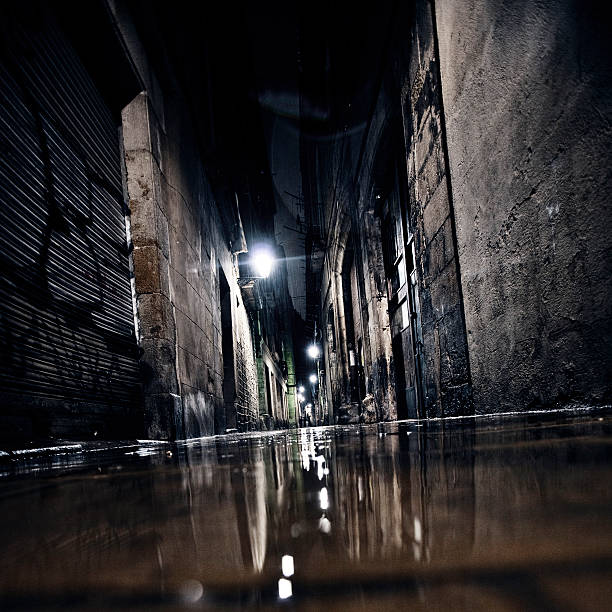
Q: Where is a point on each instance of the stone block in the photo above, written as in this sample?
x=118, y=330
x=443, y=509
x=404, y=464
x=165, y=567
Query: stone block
x=439, y=253
x=457, y=401
x=187, y=333
x=444, y=292
x=135, y=121
x=192, y=370
x=207, y=320
x=163, y=232
x=156, y=317
x=199, y=414
x=435, y=212
x=158, y=366
x=150, y=270
x=186, y=298
x=163, y=416
x=453, y=356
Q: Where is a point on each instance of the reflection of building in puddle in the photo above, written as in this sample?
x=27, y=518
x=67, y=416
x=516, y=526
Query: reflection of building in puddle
x=312, y=456
x=255, y=500
x=371, y=500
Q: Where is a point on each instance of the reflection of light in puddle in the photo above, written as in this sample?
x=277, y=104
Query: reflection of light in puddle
x=418, y=534
x=320, y=460
x=323, y=499
x=191, y=591
x=287, y=566
x=285, y=589
x=418, y=538
x=296, y=530
x=324, y=525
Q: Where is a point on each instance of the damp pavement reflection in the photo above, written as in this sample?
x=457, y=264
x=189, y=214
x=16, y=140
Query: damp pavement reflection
x=498, y=513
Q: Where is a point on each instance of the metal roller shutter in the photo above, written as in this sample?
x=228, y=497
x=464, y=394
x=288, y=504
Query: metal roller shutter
x=68, y=352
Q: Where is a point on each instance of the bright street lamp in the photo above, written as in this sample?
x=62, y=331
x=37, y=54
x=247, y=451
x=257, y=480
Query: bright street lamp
x=313, y=378
x=313, y=351
x=301, y=389
x=262, y=260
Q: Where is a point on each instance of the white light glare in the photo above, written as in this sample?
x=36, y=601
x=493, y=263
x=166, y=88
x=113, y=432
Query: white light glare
x=262, y=261
x=324, y=499
x=284, y=589
x=301, y=389
x=313, y=351
x=313, y=378
x=287, y=566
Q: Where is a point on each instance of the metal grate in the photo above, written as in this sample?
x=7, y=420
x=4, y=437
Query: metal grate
x=68, y=350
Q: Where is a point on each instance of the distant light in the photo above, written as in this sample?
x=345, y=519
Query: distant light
x=284, y=589
x=313, y=378
x=262, y=260
x=300, y=397
x=313, y=351
x=287, y=566
x=301, y=389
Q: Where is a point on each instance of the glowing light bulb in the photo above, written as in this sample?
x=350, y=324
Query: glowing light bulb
x=313, y=351
x=262, y=261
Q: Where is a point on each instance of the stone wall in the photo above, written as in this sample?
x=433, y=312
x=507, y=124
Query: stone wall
x=446, y=378
x=528, y=103
x=179, y=251
x=507, y=145
x=247, y=392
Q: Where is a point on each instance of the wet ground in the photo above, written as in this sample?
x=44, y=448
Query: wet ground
x=504, y=513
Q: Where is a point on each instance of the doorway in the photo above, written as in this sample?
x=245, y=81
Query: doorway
x=225, y=418
x=404, y=311
x=352, y=316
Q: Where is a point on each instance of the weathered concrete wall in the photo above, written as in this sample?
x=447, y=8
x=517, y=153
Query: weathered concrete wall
x=446, y=369
x=528, y=100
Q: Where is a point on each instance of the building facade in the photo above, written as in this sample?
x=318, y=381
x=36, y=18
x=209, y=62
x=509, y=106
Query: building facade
x=454, y=198
x=122, y=313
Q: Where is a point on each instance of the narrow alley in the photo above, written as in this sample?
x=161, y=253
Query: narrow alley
x=305, y=304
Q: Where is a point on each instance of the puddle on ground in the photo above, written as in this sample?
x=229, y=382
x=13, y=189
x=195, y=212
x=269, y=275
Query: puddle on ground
x=505, y=513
